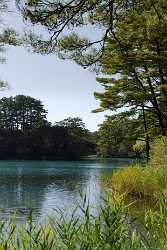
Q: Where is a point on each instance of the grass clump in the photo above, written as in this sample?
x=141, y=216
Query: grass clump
x=142, y=183
x=147, y=183
x=158, y=153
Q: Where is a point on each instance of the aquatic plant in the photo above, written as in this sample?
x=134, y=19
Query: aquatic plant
x=113, y=228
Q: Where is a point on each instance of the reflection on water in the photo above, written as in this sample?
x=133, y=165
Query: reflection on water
x=45, y=186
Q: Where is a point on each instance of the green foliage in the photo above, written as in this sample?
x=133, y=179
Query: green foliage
x=148, y=183
x=134, y=59
x=159, y=152
x=113, y=228
x=139, y=146
x=75, y=126
x=8, y=36
x=116, y=135
x=21, y=112
x=106, y=231
x=59, y=19
x=130, y=49
x=42, y=143
x=25, y=132
x=140, y=183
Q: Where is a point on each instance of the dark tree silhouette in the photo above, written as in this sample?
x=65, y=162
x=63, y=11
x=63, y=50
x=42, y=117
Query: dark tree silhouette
x=21, y=112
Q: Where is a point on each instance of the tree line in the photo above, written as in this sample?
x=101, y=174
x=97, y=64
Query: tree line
x=25, y=132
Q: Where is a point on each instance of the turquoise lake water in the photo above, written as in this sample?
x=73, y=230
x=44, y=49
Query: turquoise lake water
x=46, y=186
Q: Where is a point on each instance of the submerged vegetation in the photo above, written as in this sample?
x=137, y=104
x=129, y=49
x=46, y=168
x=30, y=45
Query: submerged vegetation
x=113, y=228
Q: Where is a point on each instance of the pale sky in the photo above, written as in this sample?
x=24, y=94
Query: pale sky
x=64, y=88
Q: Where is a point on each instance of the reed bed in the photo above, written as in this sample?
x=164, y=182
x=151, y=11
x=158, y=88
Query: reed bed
x=114, y=228
x=146, y=183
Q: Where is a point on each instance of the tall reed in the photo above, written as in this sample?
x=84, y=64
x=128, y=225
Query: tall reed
x=114, y=228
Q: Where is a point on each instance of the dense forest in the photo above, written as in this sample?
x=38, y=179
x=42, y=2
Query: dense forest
x=25, y=132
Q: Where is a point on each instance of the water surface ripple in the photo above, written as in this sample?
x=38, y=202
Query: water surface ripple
x=44, y=186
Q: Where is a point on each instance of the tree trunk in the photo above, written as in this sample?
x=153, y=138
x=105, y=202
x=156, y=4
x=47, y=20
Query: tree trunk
x=147, y=136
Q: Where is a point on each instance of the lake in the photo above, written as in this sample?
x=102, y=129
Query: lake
x=45, y=186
